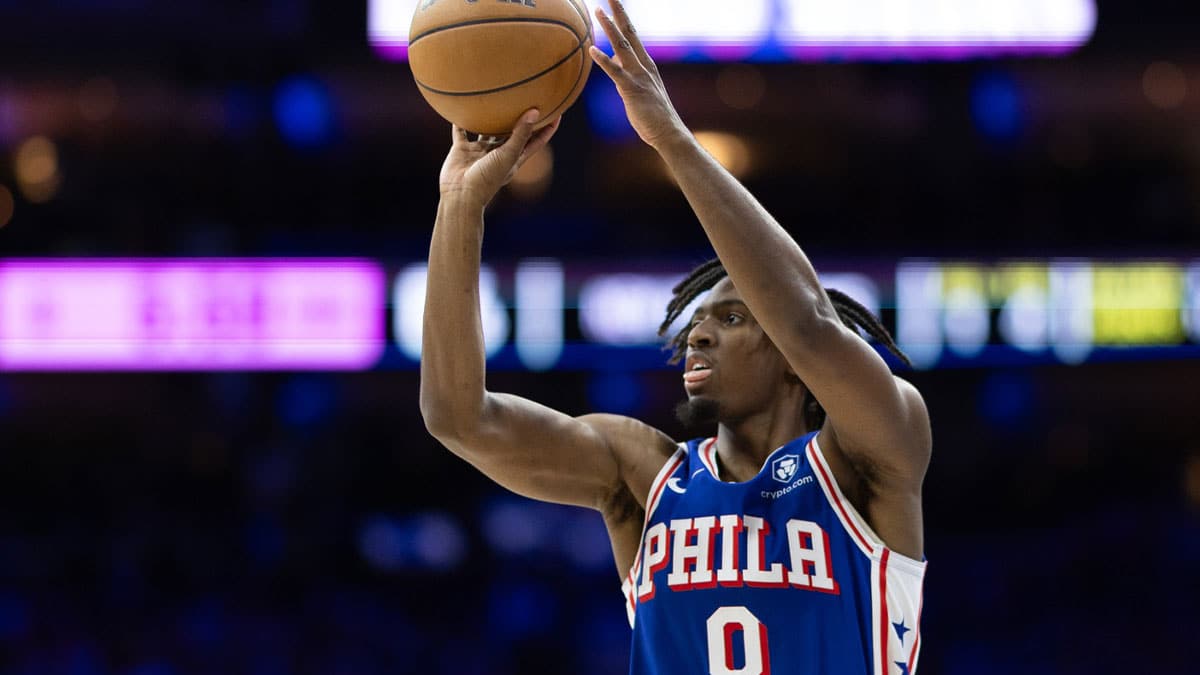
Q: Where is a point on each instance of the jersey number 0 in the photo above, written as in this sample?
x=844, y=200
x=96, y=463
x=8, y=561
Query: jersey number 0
x=723, y=626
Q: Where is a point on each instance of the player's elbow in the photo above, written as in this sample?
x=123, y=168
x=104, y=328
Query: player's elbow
x=455, y=418
x=437, y=422
x=816, y=323
x=446, y=420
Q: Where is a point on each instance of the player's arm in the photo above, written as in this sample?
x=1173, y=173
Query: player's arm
x=872, y=415
x=527, y=447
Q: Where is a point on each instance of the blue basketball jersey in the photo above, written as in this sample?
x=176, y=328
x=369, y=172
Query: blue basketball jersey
x=779, y=575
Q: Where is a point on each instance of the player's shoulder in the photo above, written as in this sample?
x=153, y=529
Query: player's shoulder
x=639, y=448
x=908, y=390
x=916, y=413
x=620, y=428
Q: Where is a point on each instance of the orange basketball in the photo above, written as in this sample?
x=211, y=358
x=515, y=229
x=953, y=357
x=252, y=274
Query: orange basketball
x=481, y=63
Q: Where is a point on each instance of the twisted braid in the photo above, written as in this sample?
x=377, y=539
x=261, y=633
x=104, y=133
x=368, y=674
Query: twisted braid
x=849, y=310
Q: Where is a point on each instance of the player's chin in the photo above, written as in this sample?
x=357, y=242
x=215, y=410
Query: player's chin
x=698, y=411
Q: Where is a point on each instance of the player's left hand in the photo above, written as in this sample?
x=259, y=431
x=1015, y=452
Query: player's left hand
x=476, y=169
x=647, y=104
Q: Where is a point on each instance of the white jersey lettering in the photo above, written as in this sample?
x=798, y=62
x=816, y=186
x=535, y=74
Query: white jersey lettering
x=808, y=546
x=731, y=532
x=654, y=558
x=755, y=575
x=698, y=555
x=688, y=547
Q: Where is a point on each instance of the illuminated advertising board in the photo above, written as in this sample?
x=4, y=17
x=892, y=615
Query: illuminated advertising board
x=191, y=315
x=543, y=314
x=781, y=30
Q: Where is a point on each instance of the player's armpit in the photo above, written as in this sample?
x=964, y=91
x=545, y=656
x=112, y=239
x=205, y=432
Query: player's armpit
x=544, y=454
x=871, y=415
x=641, y=450
x=624, y=517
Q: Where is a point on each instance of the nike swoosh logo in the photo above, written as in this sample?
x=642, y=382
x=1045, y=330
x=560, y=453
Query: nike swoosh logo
x=675, y=486
x=698, y=472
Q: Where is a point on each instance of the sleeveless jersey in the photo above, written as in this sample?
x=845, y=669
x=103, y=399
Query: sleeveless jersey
x=779, y=575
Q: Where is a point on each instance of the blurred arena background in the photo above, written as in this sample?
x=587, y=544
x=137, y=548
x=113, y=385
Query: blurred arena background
x=213, y=218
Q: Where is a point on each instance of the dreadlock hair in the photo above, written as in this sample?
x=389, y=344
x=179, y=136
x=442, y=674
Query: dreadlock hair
x=704, y=277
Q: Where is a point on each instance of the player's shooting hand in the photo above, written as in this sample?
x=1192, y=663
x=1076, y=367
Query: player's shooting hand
x=476, y=170
x=633, y=71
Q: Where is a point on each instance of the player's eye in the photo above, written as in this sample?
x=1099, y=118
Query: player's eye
x=733, y=319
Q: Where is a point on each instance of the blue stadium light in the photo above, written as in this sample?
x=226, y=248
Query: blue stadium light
x=997, y=107
x=521, y=609
x=439, y=542
x=514, y=527
x=616, y=392
x=585, y=543
x=306, y=401
x=382, y=543
x=432, y=541
x=606, y=111
x=304, y=112
x=1006, y=398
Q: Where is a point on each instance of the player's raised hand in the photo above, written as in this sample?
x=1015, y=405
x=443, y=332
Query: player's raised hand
x=633, y=71
x=477, y=169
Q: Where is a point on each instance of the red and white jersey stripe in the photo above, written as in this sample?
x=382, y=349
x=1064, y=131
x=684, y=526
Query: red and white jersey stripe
x=896, y=581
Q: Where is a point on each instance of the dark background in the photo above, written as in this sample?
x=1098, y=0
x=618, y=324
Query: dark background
x=172, y=524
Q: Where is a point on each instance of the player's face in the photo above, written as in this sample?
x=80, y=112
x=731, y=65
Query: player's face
x=730, y=360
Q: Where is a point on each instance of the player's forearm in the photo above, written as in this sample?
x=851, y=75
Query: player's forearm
x=766, y=264
x=452, y=352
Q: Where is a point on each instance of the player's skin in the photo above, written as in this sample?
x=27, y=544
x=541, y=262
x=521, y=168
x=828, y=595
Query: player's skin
x=768, y=332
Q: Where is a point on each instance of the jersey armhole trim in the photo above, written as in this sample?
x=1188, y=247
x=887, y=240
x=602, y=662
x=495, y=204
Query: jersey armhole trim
x=707, y=452
x=855, y=525
x=628, y=586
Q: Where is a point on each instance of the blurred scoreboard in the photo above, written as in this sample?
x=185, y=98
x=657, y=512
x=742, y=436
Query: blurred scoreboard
x=1069, y=311
x=312, y=314
x=780, y=30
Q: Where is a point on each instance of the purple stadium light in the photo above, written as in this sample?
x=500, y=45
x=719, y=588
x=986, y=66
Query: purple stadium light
x=143, y=315
x=820, y=30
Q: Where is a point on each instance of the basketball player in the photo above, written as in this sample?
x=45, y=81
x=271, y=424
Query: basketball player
x=789, y=543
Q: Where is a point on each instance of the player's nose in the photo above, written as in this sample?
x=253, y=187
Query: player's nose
x=701, y=335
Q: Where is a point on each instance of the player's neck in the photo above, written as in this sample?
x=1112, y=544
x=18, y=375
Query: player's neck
x=743, y=446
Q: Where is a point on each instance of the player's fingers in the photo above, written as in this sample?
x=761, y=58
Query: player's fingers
x=610, y=67
x=515, y=145
x=458, y=135
x=539, y=140
x=625, y=24
x=622, y=47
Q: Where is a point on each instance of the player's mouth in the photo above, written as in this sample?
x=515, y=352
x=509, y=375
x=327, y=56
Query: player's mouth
x=696, y=372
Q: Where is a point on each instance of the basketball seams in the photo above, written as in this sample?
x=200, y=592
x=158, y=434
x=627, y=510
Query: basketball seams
x=581, y=9
x=571, y=93
x=511, y=85
x=458, y=96
x=587, y=40
x=569, y=55
x=479, y=22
